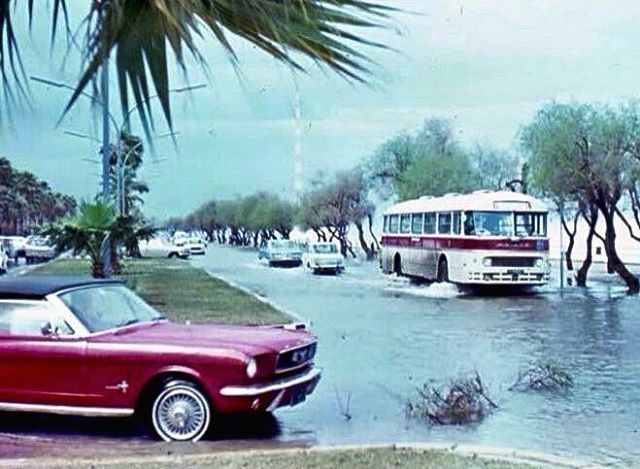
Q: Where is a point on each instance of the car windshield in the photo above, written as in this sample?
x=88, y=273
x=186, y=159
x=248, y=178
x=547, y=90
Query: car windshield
x=325, y=248
x=488, y=223
x=283, y=244
x=107, y=307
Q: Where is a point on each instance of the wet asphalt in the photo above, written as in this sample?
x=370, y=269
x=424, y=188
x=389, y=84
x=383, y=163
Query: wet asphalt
x=380, y=337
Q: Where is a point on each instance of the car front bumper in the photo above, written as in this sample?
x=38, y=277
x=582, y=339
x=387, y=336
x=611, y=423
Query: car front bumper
x=270, y=395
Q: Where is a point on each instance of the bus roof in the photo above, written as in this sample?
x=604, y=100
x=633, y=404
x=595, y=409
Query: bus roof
x=485, y=201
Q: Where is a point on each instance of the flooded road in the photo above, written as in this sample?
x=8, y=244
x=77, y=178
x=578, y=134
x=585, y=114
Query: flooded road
x=380, y=337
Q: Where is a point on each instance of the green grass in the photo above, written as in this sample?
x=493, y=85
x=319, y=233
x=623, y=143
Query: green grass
x=335, y=459
x=182, y=292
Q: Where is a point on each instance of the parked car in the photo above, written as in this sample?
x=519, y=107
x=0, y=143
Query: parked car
x=160, y=247
x=39, y=249
x=92, y=347
x=323, y=257
x=196, y=245
x=179, y=236
x=15, y=246
x=281, y=252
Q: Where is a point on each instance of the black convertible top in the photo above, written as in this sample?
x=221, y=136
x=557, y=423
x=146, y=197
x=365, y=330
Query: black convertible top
x=39, y=286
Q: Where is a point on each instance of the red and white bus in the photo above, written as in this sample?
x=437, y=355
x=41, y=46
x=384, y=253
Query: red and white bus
x=483, y=238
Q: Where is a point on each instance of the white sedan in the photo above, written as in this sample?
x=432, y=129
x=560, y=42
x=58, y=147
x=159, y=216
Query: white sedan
x=323, y=257
x=194, y=244
x=159, y=247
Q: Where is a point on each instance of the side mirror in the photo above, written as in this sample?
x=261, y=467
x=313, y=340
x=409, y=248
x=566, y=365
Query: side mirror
x=47, y=329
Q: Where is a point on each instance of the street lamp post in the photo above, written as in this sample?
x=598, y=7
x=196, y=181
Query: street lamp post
x=106, y=190
x=120, y=178
x=107, y=120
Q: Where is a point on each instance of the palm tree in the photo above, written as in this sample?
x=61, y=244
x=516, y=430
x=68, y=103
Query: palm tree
x=87, y=232
x=144, y=33
x=27, y=202
x=95, y=225
x=131, y=149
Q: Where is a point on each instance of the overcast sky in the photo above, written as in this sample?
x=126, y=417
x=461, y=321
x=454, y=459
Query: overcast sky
x=486, y=64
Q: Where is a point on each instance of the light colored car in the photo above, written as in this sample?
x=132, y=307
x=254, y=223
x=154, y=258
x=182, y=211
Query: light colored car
x=14, y=246
x=194, y=244
x=281, y=252
x=39, y=249
x=323, y=257
x=160, y=247
x=179, y=236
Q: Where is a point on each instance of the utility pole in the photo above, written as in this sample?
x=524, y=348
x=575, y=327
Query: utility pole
x=297, y=151
x=106, y=150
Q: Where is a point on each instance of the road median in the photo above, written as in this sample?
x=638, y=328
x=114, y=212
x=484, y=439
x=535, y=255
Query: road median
x=182, y=292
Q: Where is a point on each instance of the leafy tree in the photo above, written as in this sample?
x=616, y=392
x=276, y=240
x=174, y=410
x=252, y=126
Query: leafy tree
x=433, y=162
x=387, y=167
x=253, y=218
x=581, y=153
x=334, y=205
x=438, y=174
x=494, y=168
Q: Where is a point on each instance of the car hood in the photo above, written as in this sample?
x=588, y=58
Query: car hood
x=251, y=340
x=326, y=256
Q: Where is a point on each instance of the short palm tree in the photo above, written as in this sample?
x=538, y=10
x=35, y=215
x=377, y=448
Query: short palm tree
x=95, y=225
x=144, y=34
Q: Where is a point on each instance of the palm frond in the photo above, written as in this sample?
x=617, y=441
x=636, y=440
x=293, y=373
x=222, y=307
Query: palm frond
x=11, y=66
x=145, y=33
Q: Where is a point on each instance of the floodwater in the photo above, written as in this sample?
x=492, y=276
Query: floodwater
x=380, y=337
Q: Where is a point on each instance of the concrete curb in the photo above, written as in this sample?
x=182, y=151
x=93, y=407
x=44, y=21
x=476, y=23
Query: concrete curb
x=534, y=458
x=295, y=316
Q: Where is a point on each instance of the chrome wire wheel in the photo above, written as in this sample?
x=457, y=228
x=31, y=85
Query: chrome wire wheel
x=180, y=412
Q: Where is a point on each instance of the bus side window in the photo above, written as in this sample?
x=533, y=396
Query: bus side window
x=456, y=222
x=405, y=224
x=444, y=223
x=469, y=228
x=393, y=223
x=416, y=223
x=429, y=223
x=385, y=224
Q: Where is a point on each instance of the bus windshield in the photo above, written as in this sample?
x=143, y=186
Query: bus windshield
x=502, y=224
x=488, y=223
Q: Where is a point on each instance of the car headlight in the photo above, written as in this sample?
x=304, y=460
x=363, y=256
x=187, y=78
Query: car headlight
x=486, y=262
x=539, y=262
x=252, y=368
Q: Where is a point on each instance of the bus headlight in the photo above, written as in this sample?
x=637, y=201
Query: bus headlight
x=252, y=368
x=539, y=262
x=486, y=262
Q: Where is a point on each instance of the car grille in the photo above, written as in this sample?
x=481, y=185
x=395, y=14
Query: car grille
x=513, y=261
x=296, y=357
x=327, y=262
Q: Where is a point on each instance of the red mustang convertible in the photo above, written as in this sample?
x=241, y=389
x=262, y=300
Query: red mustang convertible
x=79, y=346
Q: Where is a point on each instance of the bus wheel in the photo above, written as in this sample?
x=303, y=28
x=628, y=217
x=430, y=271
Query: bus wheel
x=397, y=265
x=443, y=271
